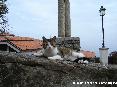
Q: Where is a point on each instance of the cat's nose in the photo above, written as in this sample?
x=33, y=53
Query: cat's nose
x=49, y=47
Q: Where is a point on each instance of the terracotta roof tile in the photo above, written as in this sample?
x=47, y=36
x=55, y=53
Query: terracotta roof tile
x=24, y=43
x=19, y=38
x=89, y=54
x=6, y=34
x=28, y=45
x=2, y=38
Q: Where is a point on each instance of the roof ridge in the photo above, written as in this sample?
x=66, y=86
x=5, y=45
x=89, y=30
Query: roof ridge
x=12, y=43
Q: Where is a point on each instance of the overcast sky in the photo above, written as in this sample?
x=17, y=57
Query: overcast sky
x=37, y=18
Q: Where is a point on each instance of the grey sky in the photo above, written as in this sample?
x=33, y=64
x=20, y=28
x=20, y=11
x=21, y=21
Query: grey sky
x=37, y=18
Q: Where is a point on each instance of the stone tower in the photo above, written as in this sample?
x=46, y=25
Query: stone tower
x=64, y=21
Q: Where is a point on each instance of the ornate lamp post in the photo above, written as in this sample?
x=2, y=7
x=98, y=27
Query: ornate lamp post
x=103, y=50
x=102, y=13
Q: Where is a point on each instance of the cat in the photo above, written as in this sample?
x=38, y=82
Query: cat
x=49, y=47
x=50, y=50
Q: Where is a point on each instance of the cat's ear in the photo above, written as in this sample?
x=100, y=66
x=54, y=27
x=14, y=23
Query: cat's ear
x=54, y=37
x=43, y=38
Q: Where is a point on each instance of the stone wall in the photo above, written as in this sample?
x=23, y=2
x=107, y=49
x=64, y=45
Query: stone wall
x=69, y=42
x=17, y=70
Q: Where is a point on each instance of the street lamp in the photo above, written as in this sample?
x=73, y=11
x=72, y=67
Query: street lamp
x=102, y=13
x=103, y=51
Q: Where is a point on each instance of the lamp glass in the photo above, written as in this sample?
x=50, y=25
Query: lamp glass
x=102, y=13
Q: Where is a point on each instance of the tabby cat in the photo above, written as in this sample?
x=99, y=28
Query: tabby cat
x=50, y=48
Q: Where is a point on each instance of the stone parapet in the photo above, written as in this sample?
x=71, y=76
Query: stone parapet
x=69, y=42
x=25, y=71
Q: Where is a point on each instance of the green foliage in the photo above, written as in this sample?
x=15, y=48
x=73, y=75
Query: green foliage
x=3, y=7
x=3, y=19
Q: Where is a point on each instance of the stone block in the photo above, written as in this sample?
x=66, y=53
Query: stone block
x=69, y=42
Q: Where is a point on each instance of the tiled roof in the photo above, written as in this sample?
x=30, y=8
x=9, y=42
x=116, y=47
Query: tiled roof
x=28, y=45
x=17, y=38
x=6, y=34
x=89, y=54
x=24, y=43
x=2, y=38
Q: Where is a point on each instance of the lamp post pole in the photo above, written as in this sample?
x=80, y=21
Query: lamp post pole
x=102, y=13
x=103, y=44
x=103, y=50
